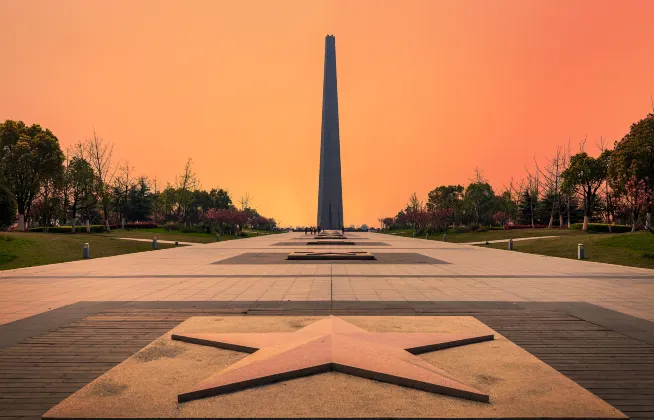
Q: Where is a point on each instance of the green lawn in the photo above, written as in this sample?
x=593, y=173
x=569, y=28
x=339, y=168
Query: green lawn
x=461, y=237
x=631, y=249
x=26, y=249
x=172, y=235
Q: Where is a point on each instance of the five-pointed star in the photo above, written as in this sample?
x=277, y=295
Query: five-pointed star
x=333, y=344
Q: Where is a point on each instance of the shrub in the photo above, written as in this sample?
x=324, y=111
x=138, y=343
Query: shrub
x=171, y=226
x=68, y=229
x=509, y=227
x=602, y=227
x=140, y=225
x=461, y=229
x=190, y=229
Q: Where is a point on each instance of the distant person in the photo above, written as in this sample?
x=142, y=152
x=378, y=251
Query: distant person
x=318, y=229
x=343, y=230
x=306, y=230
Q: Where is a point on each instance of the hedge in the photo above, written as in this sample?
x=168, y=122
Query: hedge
x=94, y=228
x=602, y=227
x=509, y=227
x=68, y=229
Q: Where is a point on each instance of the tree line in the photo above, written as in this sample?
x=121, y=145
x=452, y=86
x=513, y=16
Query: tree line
x=614, y=188
x=41, y=186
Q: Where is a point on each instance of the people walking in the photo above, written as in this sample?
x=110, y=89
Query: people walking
x=306, y=230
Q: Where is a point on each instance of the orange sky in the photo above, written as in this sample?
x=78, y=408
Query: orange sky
x=428, y=90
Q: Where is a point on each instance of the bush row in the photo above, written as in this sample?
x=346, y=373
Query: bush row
x=602, y=227
x=94, y=228
x=509, y=227
x=68, y=229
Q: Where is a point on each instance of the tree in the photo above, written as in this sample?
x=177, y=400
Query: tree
x=245, y=201
x=140, y=201
x=99, y=154
x=478, y=202
x=28, y=157
x=123, y=184
x=585, y=175
x=220, y=198
x=80, y=187
x=8, y=209
x=447, y=197
x=187, y=182
x=552, y=183
x=633, y=157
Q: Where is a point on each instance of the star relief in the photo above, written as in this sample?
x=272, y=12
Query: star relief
x=332, y=344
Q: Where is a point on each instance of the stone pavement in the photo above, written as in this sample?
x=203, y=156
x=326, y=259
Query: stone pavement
x=471, y=273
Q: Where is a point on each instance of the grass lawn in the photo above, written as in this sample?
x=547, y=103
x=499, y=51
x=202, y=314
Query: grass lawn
x=26, y=249
x=167, y=235
x=632, y=249
x=453, y=236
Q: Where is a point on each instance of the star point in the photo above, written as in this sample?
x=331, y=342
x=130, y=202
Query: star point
x=333, y=344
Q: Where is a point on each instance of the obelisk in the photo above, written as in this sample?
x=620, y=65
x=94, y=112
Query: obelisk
x=330, y=191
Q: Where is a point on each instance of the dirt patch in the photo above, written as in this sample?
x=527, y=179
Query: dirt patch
x=106, y=388
x=159, y=350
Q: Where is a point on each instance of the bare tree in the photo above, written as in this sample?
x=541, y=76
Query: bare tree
x=124, y=182
x=515, y=190
x=566, y=195
x=533, y=188
x=552, y=182
x=608, y=198
x=99, y=154
x=245, y=201
x=187, y=182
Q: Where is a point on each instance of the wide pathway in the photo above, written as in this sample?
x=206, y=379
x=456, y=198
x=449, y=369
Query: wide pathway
x=190, y=274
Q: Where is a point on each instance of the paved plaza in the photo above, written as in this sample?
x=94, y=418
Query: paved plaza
x=469, y=273
x=63, y=326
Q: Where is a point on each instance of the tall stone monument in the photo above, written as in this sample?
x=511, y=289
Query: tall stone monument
x=330, y=191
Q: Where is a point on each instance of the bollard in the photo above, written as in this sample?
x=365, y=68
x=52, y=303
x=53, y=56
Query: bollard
x=510, y=244
x=580, y=251
x=217, y=238
x=426, y=236
x=414, y=234
x=445, y=237
x=154, y=243
x=176, y=243
x=87, y=251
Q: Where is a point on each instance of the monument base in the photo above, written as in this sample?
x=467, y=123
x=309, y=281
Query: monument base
x=331, y=243
x=337, y=256
x=147, y=384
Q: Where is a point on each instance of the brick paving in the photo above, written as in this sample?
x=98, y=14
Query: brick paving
x=41, y=371
x=189, y=274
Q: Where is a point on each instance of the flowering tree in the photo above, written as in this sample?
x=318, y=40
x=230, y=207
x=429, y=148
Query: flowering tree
x=636, y=198
x=439, y=219
x=501, y=218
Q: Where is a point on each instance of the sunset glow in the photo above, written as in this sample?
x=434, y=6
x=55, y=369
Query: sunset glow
x=428, y=90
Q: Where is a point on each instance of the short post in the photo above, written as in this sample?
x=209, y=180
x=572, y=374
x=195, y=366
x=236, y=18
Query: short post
x=87, y=251
x=510, y=244
x=154, y=243
x=580, y=251
x=176, y=243
x=122, y=223
x=88, y=226
x=217, y=238
x=414, y=234
x=426, y=236
x=445, y=237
